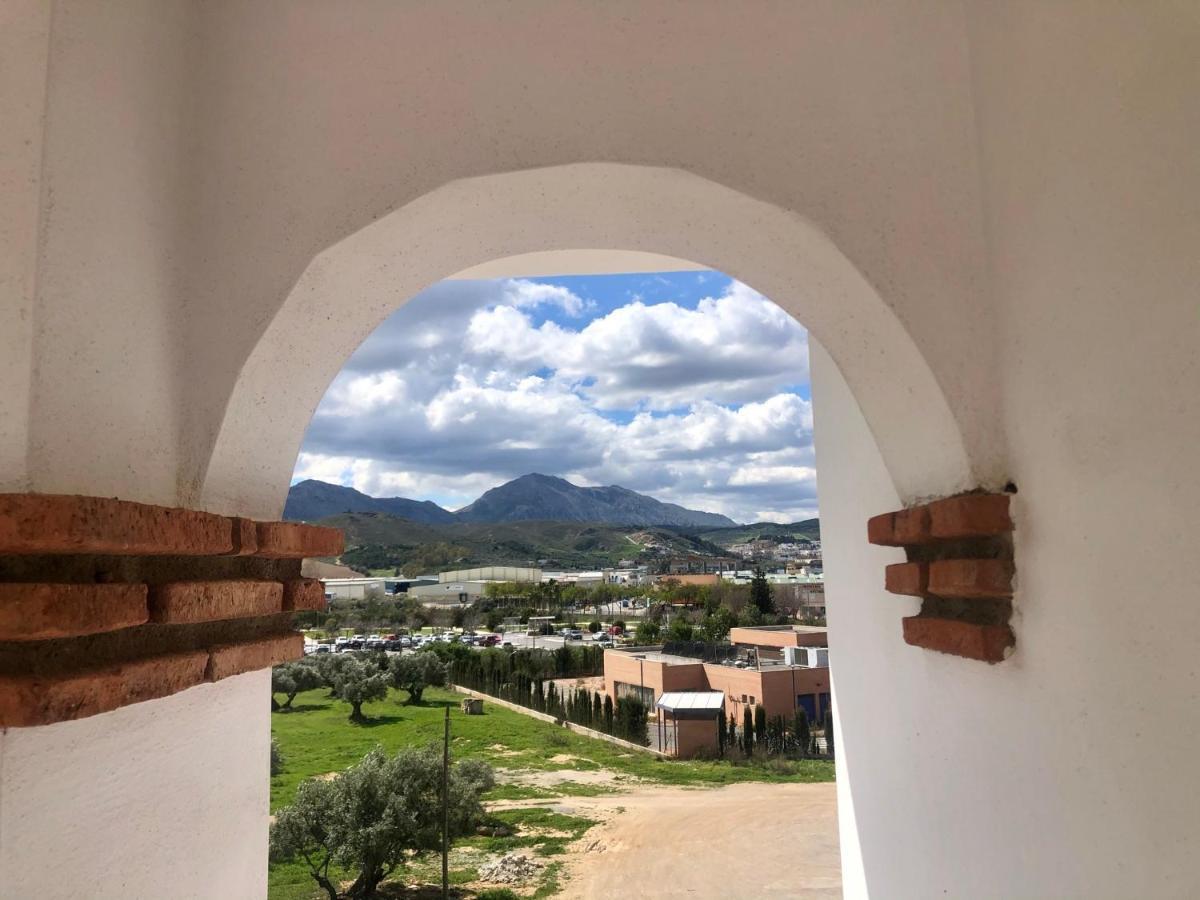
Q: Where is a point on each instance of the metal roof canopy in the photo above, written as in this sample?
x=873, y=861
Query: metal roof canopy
x=692, y=704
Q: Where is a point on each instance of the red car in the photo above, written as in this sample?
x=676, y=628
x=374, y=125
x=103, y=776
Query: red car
x=491, y=640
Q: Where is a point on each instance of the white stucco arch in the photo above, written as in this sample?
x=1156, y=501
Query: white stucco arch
x=349, y=288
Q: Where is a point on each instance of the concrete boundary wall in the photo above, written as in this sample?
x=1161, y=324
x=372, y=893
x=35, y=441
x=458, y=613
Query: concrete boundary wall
x=578, y=729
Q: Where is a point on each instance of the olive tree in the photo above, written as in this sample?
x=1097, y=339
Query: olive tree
x=413, y=672
x=292, y=678
x=359, y=681
x=370, y=818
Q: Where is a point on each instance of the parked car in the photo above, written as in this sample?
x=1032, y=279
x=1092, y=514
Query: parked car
x=574, y=635
x=491, y=640
x=323, y=648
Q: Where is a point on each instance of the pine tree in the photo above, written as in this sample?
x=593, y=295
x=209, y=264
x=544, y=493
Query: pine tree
x=760, y=592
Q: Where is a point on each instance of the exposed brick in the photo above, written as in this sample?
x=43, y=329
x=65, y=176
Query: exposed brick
x=234, y=659
x=907, y=578
x=303, y=593
x=971, y=578
x=911, y=526
x=245, y=537
x=34, y=612
x=881, y=530
x=290, y=540
x=59, y=523
x=983, y=642
x=970, y=515
x=180, y=602
x=29, y=700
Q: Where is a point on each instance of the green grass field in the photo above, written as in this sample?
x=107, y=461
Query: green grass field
x=316, y=738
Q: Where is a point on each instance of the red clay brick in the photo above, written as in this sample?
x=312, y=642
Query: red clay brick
x=59, y=523
x=911, y=526
x=970, y=515
x=303, y=593
x=27, y=700
x=180, y=602
x=35, y=612
x=290, y=540
x=245, y=537
x=907, y=578
x=881, y=530
x=234, y=659
x=986, y=643
x=970, y=578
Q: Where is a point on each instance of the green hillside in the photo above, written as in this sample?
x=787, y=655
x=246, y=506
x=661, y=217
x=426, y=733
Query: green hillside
x=380, y=541
x=809, y=529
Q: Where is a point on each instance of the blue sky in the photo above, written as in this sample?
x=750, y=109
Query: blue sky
x=688, y=386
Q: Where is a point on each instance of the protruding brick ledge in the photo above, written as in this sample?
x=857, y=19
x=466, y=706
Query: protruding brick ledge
x=178, y=602
x=234, y=659
x=288, y=540
x=26, y=701
x=987, y=643
x=60, y=523
x=37, y=612
x=960, y=563
x=303, y=594
x=105, y=602
x=66, y=524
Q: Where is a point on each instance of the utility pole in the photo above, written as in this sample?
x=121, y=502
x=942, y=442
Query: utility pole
x=446, y=809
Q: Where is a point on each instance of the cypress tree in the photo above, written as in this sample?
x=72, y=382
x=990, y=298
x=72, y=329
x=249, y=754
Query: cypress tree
x=608, y=714
x=597, y=711
x=747, y=731
x=829, y=732
x=760, y=728
x=731, y=732
x=720, y=737
x=800, y=730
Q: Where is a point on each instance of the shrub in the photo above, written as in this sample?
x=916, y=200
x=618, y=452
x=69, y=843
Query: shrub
x=375, y=814
x=276, y=758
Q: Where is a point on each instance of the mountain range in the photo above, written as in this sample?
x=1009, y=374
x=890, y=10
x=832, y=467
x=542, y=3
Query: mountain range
x=530, y=497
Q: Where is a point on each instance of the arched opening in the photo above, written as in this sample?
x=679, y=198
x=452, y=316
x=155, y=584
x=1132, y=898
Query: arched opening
x=685, y=386
x=894, y=422
x=350, y=288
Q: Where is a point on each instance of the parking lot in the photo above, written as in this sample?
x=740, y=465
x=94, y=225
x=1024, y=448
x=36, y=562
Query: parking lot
x=517, y=640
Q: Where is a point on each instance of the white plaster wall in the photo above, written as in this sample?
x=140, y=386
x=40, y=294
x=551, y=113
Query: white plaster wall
x=350, y=288
x=1017, y=182
x=165, y=799
x=24, y=60
x=315, y=120
x=108, y=321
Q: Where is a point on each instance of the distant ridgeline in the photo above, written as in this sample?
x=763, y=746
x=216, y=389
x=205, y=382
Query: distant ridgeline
x=534, y=519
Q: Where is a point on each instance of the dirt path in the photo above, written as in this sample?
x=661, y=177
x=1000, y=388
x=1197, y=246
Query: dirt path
x=779, y=840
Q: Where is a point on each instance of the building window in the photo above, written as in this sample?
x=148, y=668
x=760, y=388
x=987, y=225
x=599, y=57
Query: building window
x=635, y=692
x=744, y=698
x=751, y=699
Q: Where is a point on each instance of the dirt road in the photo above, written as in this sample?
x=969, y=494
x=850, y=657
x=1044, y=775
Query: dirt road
x=760, y=840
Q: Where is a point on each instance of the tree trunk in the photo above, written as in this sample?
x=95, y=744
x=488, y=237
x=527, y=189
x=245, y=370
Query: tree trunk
x=288, y=703
x=274, y=704
x=356, y=711
x=327, y=885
